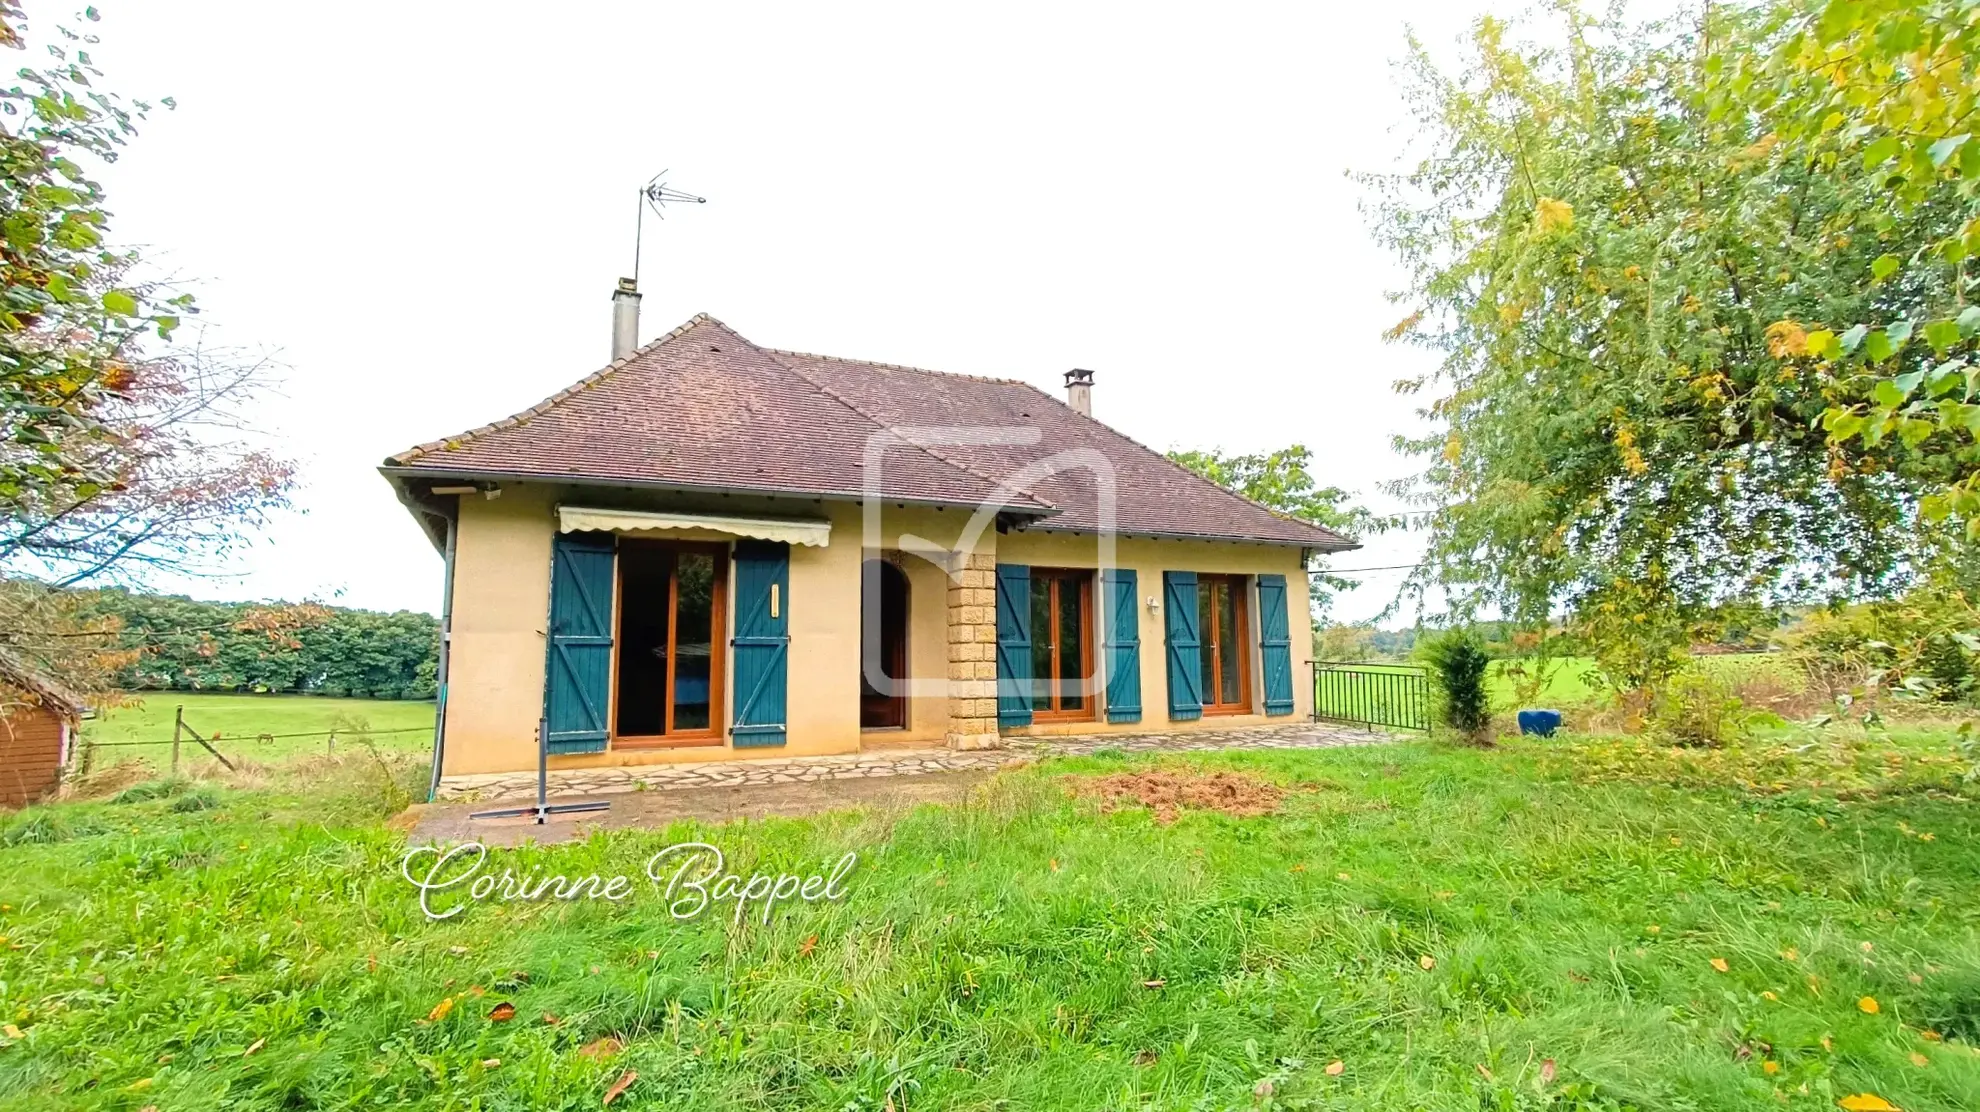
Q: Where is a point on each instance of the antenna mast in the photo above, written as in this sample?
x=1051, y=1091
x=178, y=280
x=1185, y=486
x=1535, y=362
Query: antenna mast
x=654, y=195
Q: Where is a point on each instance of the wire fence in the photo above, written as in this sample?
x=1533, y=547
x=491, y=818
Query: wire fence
x=184, y=732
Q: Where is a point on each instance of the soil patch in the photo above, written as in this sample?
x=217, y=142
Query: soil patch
x=1167, y=792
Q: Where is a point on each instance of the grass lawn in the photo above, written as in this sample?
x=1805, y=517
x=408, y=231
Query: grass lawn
x=1582, y=924
x=240, y=719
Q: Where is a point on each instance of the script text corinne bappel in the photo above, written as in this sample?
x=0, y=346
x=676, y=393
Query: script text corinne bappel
x=690, y=876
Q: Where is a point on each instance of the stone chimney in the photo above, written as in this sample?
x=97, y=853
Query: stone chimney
x=625, y=318
x=1079, y=390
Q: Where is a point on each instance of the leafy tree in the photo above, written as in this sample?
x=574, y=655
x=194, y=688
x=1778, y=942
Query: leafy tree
x=1892, y=96
x=1624, y=256
x=1457, y=661
x=1281, y=481
x=111, y=445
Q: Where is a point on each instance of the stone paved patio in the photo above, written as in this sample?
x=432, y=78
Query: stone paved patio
x=494, y=787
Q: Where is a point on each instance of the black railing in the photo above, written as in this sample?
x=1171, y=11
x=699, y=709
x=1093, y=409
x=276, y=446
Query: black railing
x=1396, y=695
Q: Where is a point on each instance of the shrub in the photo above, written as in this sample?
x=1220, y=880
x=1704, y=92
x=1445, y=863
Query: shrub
x=1696, y=707
x=1457, y=663
x=150, y=790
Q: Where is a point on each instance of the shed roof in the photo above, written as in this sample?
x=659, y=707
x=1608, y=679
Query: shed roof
x=15, y=672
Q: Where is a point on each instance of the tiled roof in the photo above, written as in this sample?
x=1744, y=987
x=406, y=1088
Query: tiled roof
x=703, y=407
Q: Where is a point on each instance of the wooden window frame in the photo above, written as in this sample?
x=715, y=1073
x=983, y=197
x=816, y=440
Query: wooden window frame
x=1210, y=635
x=1090, y=711
x=718, y=633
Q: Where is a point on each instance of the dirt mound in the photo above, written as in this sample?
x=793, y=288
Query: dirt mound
x=1167, y=792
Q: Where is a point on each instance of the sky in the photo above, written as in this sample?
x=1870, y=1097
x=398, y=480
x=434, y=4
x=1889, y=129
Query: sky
x=419, y=210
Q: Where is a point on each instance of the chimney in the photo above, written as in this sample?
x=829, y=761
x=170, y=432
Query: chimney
x=625, y=318
x=1079, y=391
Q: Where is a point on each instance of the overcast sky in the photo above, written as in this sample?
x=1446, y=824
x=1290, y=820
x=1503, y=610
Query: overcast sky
x=421, y=207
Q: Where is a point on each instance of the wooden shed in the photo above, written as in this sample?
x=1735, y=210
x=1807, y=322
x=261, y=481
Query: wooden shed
x=38, y=719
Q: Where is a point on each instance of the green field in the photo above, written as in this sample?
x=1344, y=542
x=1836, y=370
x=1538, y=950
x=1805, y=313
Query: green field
x=1583, y=924
x=240, y=720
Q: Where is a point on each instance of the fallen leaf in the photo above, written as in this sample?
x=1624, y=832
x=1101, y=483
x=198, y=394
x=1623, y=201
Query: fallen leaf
x=1445, y=895
x=140, y=1085
x=1482, y=1071
x=1791, y=954
x=1867, y=1102
x=457, y=951
x=1770, y=1067
x=600, y=1048
x=807, y=946
x=1866, y=948
x=1828, y=1044
x=371, y=963
x=1916, y=979
x=1335, y=1067
x=551, y=1019
x=1918, y=1059
x=1547, y=1072
x=254, y=1046
x=477, y=991
x=1263, y=1090
x=1769, y=995
x=1929, y=1036
x=1156, y=983
x=1340, y=876
x=440, y=1010
x=1144, y=1057
x=1055, y=864
x=621, y=1085
x=1868, y=1006
x=1427, y=962
x=11, y=1031
x=1654, y=929
x=1299, y=868
x=1720, y=964
x=490, y=1063
x=503, y=1012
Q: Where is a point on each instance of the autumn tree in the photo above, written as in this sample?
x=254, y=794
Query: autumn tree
x=122, y=447
x=1624, y=248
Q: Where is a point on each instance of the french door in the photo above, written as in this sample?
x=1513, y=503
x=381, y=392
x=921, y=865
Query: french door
x=671, y=610
x=1061, y=649
x=1225, y=628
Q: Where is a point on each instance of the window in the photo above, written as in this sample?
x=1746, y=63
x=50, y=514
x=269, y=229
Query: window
x=1223, y=632
x=1061, y=647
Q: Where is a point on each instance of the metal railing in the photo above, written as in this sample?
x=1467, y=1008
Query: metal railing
x=1393, y=695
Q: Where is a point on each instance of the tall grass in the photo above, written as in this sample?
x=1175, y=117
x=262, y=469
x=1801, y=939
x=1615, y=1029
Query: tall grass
x=1441, y=922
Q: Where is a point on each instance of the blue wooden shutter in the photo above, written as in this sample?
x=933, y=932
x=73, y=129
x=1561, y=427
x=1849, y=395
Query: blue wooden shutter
x=577, y=682
x=1013, y=645
x=1120, y=644
x=1185, y=645
x=762, y=644
x=1275, y=647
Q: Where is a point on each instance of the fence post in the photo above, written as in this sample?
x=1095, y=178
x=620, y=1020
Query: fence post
x=330, y=746
x=178, y=727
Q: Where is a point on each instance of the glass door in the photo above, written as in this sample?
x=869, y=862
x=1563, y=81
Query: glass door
x=1061, y=651
x=668, y=685
x=1225, y=631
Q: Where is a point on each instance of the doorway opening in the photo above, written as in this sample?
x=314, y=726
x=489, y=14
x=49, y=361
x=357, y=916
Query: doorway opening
x=883, y=644
x=671, y=611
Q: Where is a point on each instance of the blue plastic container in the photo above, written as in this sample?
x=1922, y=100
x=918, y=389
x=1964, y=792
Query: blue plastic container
x=1541, y=722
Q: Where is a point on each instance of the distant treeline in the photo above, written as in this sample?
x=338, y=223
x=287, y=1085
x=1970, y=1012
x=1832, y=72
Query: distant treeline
x=176, y=643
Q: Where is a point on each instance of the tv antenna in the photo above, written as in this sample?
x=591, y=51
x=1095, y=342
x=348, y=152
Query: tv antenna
x=654, y=195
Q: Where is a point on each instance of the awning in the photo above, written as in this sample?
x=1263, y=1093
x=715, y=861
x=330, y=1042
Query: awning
x=790, y=530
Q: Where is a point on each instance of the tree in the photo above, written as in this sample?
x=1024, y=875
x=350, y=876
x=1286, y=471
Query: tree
x=121, y=450
x=1895, y=100
x=1281, y=481
x=1622, y=259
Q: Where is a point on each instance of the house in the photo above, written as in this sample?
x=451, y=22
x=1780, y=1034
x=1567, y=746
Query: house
x=38, y=720
x=712, y=549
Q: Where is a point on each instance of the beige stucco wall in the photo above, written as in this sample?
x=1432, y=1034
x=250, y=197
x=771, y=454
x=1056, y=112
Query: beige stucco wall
x=501, y=611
